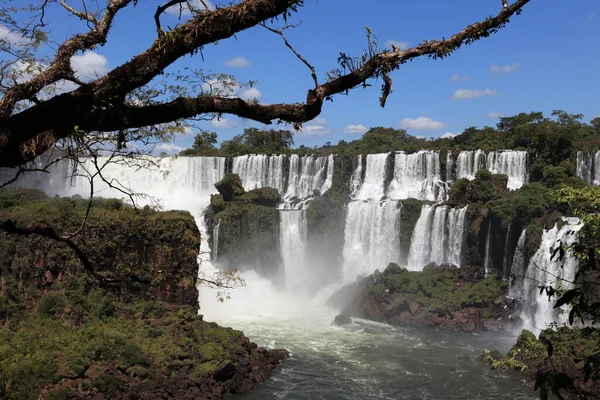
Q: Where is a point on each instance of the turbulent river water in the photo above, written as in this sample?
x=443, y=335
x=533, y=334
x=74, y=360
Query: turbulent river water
x=363, y=360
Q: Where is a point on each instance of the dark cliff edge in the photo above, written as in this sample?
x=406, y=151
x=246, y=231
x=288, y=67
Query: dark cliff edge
x=445, y=297
x=130, y=329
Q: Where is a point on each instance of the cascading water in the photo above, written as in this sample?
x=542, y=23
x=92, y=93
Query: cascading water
x=371, y=237
x=417, y=176
x=511, y=163
x=506, y=255
x=365, y=360
x=356, y=179
x=468, y=163
x=215, y=246
x=507, y=162
x=438, y=237
x=538, y=311
x=307, y=175
x=588, y=167
x=518, y=267
x=449, y=167
x=372, y=187
x=487, y=257
x=259, y=170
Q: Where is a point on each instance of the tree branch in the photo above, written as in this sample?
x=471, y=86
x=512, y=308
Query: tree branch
x=11, y=228
x=60, y=68
x=298, y=55
x=57, y=117
x=81, y=14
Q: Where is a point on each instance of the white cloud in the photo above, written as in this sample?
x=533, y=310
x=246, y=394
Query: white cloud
x=448, y=135
x=421, y=124
x=459, y=78
x=504, y=69
x=250, y=94
x=222, y=123
x=183, y=9
x=12, y=38
x=169, y=148
x=494, y=115
x=471, y=94
x=401, y=45
x=316, y=128
x=238, y=62
x=421, y=137
x=89, y=65
x=355, y=129
x=591, y=15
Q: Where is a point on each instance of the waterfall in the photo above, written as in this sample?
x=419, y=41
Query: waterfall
x=506, y=255
x=438, y=237
x=371, y=237
x=456, y=235
x=449, y=167
x=356, y=179
x=468, y=163
x=487, y=256
x=518, y=267
x=215, y=246
x=538, y=311
x=588, y=167
x=511, y=163
x=292, y=237
x=259, y=170
x=507, y=162
x=417, y=176
x=372, y=186
x=308, y=174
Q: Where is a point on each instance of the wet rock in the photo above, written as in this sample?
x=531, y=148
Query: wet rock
x=342, y=319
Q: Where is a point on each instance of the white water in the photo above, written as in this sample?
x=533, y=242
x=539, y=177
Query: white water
x=506, y=256
x=308, y=174
x=438, y=237
x=215, y=246
x=487, y=256
x=372, y=187
x=371, y=237
x=512, y=163
x=356, y=179
x=518, y=267
x=588, y=167
x=417, y=176
x=292, y=240
x=538, y=310
x=259, y=170
x=449, y=167
x=468, y=163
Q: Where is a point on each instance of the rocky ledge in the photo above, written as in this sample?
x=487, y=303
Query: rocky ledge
x=565, y=362
x=446, y=297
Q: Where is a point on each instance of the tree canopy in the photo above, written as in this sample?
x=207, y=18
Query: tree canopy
x=44, y=105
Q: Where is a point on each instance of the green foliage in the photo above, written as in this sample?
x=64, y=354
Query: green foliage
x=442, y=292
x=230, y=186
x=409, y=215
x=265, y=196
x=204, y=145
x=258, y=141
x=43, y=351
x=146, y=254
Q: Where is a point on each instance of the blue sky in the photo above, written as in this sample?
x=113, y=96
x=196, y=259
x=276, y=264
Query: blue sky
x=545, y=59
